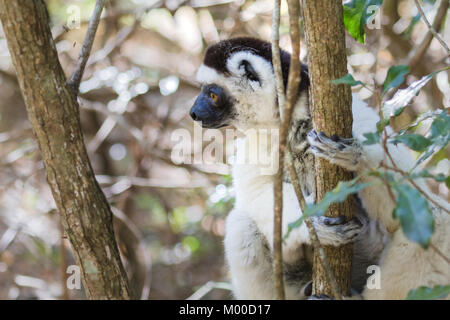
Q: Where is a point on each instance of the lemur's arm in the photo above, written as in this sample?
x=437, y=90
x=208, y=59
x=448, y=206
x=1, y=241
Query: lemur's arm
x=354, y=156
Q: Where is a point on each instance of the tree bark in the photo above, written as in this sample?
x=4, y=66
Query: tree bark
x=332, y=114
x=54, y=115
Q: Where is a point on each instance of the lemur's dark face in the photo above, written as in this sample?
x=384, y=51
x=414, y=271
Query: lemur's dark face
x=213, y=107
x=237, y=81
x=238, y=85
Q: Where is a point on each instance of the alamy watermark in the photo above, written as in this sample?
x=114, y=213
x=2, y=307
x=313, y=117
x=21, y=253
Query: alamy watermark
x=74, y=279
x=209, y=146
x=374, y=21
x=374, y=280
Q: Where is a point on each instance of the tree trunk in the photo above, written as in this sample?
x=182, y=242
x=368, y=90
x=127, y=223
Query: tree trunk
x=54, y=115
x=332, y=114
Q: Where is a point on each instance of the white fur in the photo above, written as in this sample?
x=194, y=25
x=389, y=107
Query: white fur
x=255, y=102
x=404, y=266
x=207, y=75
x=249, y=228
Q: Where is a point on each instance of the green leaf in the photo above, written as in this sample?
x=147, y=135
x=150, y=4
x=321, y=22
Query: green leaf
x=426, y=174
x=402, y=97
x=400, y=100
x=371, y=138
x=441, y=125
x=357, y=13
x=395, y=77
x=414, y=141
x=440, y=136
x=425, y=293
x=338, y=194
x=414, y=214
x=382, y=124
x=424, y=116
x=347, y=79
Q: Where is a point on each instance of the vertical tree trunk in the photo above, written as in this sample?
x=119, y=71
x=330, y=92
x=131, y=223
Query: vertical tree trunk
x=332, y=114
x=54, y=115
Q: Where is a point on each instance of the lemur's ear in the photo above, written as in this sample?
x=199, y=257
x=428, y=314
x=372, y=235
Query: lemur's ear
x=250, y=72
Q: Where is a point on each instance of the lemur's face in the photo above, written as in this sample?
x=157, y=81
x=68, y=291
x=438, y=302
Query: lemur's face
x=238, y=86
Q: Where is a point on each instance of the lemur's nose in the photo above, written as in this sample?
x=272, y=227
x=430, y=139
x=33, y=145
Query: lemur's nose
x=193, y=115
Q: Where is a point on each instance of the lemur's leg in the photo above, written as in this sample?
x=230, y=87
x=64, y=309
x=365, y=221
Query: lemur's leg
x=331, y=231
x=406, y=265
x=248, y=257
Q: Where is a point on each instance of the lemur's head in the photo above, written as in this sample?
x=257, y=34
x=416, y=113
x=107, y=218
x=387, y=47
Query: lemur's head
x=238, y=84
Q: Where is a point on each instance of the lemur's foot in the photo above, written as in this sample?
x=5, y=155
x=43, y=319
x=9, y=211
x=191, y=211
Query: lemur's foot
x=336, y=231
x=346, y=153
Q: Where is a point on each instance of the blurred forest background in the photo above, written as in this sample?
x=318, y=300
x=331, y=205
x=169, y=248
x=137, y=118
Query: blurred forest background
x=137, y=89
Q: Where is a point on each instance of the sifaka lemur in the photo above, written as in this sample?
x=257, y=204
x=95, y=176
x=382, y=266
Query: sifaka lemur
x=239, y=89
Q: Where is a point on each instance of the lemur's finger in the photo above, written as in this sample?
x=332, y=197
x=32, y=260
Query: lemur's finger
x=332, y=221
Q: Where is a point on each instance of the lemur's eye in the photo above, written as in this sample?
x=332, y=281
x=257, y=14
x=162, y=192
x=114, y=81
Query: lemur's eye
x=250, y=72
x=214, y=96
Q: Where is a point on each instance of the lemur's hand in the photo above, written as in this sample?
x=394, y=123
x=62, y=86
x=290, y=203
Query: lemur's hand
x=336, y=231
x=346, y=153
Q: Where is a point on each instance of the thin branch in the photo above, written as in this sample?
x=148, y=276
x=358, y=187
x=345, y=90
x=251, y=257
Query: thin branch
x=207, y=287
x=417, y=54
x=128, y=181
x=276, y=60
x=403, y=173
x=312, y=231
x=432, y=246
x=430, y=27
x=415, y=185
x=87, y=46
x=278, y=183
x=292, y=90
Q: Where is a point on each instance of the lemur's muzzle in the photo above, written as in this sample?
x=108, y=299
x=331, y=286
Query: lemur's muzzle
x=212, y=107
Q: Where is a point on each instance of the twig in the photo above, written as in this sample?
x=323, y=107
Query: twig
x=417, y=54
x=122, y=35
x=432, y=246
x=113, y=44
x=278, y=183
x=312, y=231
x=292, y=90
x=87, y=46
x=149, y=182
x=207, y=287
x=276, y=60
x=403, y=173
x=116, y=117
x=430, y=27
x=414, y=184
